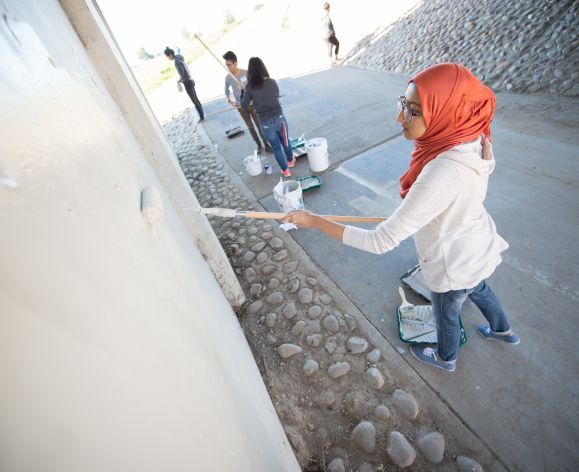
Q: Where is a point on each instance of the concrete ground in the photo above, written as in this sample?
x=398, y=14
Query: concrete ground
x=522, y=401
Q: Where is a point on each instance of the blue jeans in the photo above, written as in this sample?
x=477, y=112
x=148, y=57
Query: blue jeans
x=446, y=309
x=276, y=132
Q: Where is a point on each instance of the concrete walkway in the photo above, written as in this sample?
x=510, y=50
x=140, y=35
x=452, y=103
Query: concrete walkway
x=522, y=402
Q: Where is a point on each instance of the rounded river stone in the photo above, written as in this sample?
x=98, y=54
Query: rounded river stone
x=432, y=446
x=330, y=323
x=339, y=369
x=310, y=367
x=288, y=350
x=356, y=345
x=289, y=310
x=275, y=298
x=382, y=412
x=374, y=378
x=364, y=436
x=305, y=295
x=400, y=450
x=405, y=403
x=314, y=311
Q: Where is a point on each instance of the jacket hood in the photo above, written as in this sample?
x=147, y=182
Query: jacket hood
x=470, y=155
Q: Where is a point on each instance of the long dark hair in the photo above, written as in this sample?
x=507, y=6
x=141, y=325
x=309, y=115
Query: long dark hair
x=256, y=72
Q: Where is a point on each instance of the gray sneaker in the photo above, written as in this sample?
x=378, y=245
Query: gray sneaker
x=508, y=336
x=429, y=356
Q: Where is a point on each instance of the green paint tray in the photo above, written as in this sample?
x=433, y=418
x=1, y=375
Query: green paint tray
x=416, y=323
x=310, y=182
x=298, y=146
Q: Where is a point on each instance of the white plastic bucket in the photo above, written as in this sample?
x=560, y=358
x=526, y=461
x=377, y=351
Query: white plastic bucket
x=253, y=164
x=318, y=158
x=288, y=196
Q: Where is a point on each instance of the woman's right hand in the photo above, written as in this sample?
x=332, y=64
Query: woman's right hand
x=301, y=218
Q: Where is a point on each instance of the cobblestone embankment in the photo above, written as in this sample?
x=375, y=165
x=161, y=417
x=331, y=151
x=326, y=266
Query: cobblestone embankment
x=527, y=46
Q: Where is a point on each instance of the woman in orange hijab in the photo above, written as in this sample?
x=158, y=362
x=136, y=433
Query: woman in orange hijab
x=447, y=112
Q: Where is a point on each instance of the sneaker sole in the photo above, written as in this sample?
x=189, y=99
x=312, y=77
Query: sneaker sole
x=432, y=365
x=495, y=339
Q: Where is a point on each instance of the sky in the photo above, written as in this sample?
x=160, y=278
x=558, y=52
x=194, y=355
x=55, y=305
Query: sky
x=156, y=24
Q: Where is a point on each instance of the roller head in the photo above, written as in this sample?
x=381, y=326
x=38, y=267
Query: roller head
x=151, y=205
x=221, y=212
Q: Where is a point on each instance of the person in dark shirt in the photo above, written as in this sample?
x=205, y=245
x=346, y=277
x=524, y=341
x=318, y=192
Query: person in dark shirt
x=185, y=79
x=329, y=34
x=234, y=99
x=264, y=93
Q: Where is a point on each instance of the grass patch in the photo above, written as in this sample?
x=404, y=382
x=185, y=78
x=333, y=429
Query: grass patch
x=194, y=51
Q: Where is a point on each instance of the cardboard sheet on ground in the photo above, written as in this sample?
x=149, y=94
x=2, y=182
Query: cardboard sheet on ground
x=416, y=323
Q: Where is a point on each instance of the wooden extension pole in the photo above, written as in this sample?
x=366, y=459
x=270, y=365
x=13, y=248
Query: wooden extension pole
x=219, y=61
x=337, y=218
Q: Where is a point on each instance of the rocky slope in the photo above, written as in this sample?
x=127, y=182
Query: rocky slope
x=527, y=46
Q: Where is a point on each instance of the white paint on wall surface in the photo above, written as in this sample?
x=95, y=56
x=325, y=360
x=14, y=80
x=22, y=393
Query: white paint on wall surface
x=109, y=64
x=118, y=349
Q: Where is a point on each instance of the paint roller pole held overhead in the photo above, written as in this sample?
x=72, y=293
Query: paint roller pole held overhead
x=218, y=60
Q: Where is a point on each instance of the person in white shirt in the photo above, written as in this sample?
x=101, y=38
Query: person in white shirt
x=447, y=112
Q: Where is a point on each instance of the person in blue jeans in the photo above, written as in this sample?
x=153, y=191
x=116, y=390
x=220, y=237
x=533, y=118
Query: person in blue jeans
x=264, y=93
x=446, y=309
x=447, y=112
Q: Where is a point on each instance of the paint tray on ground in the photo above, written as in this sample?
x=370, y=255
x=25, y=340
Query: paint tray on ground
x=298, y=146
x=416, y=323
x=414, y=280
x=310, y=182
x=233, y=131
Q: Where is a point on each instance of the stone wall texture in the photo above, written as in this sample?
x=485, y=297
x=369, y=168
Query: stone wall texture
x=526, y=46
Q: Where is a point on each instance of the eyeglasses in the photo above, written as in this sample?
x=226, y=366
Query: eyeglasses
x=407, y=112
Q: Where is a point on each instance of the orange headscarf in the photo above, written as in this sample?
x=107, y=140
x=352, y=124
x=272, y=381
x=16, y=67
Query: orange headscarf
x=457, y=108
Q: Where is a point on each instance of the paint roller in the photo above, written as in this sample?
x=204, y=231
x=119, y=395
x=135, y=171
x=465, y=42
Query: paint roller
x=151, y=205
x=231, y=213
x=219, y=61
x=152, y=211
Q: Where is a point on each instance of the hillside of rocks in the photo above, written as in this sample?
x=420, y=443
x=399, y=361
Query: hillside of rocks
x=525, y=46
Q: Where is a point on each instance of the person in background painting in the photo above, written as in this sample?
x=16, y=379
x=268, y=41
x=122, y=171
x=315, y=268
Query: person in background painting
x=185, y=79
x=235, y=99
x=264, y=93
x=447, y=112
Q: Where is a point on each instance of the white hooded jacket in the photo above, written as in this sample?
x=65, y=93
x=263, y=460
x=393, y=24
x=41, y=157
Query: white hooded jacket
x=456, y=239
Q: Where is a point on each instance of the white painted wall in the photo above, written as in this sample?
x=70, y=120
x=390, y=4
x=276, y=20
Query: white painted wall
x=116, y=75
x=118, y=349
